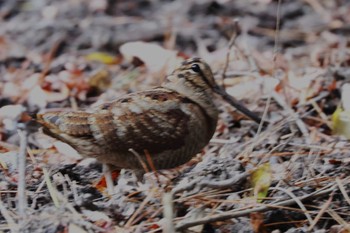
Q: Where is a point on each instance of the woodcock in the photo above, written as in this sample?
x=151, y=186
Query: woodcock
x=172, y=123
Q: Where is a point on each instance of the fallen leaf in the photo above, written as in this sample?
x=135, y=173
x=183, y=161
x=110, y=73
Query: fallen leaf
x=11, y=111
x=341, y=116
x=261, y=181
x=101, y=184
x=37, y=98
x=341, y=122
x=9, y=116
x=102, y=57
x=67, y=150
x=257, y=222
x=154, y=56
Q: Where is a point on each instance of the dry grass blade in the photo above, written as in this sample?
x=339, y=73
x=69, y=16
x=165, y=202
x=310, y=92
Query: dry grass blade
x=50, y=187
x=321, y=212
x=342, y=190
x=141, y=207
x=10, y=221
x=321, y=113
x=339, y=219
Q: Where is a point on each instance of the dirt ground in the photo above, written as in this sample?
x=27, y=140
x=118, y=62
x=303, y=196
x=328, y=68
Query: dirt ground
x=287, y=61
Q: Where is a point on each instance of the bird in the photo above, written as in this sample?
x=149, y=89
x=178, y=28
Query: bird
x=171, y=123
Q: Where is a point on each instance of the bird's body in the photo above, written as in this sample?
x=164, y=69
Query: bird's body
x=172, y=122
x=171, y=127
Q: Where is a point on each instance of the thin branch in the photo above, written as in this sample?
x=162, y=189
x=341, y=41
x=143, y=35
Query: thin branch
x=277, y=31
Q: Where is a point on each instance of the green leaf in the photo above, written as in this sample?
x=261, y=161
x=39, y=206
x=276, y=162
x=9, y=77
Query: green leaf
x=101, y=57
x=261, y=181
x=341, y=122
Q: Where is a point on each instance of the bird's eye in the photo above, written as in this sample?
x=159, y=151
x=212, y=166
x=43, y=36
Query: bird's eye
x=195, y=68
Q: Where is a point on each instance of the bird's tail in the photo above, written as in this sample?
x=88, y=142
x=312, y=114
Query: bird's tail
x=69, y=123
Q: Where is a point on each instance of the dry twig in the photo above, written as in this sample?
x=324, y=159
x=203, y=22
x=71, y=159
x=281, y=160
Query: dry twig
x=230, y=45
x=21, y=191
x=168, y=210
x=238, y=213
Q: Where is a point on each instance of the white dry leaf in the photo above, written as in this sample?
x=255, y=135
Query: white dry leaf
x=98, y=5
x=244, y=90
x=49, y=13
x=37, y=97
x=129, y=211
x=297, y=81
x=73, y=228
x=67, y=150
x=154, y=56
x=10, y=114
x=87, y=162
x=253, y=88
x=11, y=111
x=9, y=159
x=11, y=90
x=95, y=216
x=269, y=84
x=31, y=82
x=44, y=141
x=345, y=96
x=195, y=214
x=304, y=84
x=4, y=186
x=122, y=230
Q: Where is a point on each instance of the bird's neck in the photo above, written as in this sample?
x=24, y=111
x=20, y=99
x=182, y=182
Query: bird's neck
x=204, y=98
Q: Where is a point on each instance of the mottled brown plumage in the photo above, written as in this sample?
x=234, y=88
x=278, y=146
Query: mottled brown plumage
x=172, y=122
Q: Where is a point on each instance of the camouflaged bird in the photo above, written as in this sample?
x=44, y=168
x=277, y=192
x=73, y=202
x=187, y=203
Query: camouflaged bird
x=173, y=122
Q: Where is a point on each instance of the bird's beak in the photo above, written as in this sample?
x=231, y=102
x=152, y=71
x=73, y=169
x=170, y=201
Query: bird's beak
x=235, y=103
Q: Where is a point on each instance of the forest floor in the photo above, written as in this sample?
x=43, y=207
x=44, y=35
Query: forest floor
x=288, y=61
